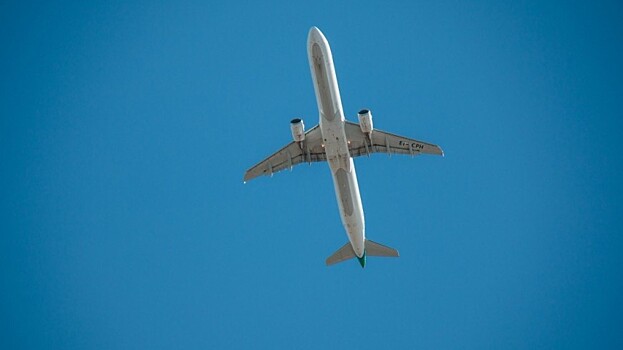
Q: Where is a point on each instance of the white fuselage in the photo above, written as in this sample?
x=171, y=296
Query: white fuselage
x=334, y=139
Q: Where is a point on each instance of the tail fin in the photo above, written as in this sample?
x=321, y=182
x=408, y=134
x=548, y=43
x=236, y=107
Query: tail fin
x=372, y=249
x=376, y=249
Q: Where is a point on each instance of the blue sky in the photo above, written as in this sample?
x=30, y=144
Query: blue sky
x=126, y=129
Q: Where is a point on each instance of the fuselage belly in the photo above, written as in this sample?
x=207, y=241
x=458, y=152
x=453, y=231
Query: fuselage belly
x=334, y=139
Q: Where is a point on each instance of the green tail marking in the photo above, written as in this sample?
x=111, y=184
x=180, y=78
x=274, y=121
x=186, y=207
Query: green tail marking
x=362, y=260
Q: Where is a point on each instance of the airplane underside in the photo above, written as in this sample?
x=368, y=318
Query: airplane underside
x=336, y=141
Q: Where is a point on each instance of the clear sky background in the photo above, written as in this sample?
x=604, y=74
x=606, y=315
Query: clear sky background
x=126, y=128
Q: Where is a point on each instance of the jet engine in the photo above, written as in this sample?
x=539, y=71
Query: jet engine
x=365, y=121
x=298, y=129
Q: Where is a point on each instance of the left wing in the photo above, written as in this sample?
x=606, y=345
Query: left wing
x=384, y=142
x=309, y=150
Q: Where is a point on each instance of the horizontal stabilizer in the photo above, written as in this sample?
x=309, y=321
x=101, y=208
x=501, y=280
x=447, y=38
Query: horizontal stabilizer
x=372, y=249
x=376, y=249
x=342, y=254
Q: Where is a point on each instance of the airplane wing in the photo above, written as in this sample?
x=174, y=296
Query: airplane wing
x=384, y=142
x=310, y=150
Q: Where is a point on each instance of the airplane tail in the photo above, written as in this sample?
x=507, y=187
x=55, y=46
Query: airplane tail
x=372, y=249
x=342, y=254
x=376, y=249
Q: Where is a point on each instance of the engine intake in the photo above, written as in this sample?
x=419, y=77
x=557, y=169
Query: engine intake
x=298, y=129
x=365, y=121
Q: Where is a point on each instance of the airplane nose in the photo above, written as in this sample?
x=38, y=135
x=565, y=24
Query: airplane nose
x=315, y=35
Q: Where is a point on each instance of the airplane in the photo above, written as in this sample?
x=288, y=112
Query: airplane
x=336, y=141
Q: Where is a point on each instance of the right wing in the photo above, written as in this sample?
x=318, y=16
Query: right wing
x=310, y=150
x=385, y=142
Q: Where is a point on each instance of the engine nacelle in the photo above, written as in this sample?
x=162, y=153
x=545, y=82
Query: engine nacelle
x=298, y=129
x=365, y=121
